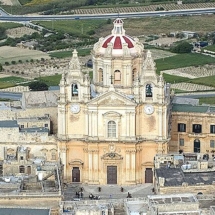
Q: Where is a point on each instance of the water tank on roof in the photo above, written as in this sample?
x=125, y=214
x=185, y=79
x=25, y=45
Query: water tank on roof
x=40, y=176
x=7, y=179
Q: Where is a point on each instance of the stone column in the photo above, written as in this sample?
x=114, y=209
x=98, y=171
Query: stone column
x=160, y=124
x=90, y=123
x=63, y=156
x=90, y=170
x=94, y=124
x=62, y=122
x=86, y=122
x=133, y=166
x=85, y=177
x=127, y=166
x=132, y=124
x=95, y=166
x=127, y=124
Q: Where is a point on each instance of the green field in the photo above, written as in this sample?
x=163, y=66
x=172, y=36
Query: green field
x=53, y=80
x=183, y=60
x=207, y=100
x=6, y=85
x=64, y=54
x=13, y=80
x=208, y=81
x=210, y=48
x=74, y=27
x=9, y=25
x=174, y=79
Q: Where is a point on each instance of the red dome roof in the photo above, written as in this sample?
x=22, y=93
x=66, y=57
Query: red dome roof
x=118, y=41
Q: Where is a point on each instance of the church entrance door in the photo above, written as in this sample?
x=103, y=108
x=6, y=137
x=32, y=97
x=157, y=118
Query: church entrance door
x=75, y=174
x=111, y=174
x=148, y=175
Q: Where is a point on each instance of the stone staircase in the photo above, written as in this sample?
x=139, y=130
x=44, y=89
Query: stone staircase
x=118, y=211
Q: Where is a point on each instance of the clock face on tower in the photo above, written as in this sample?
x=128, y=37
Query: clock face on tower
x=149, y=109
x=75, y=108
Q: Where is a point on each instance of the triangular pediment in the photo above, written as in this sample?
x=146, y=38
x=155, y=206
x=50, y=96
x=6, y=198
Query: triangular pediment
x=112, y=98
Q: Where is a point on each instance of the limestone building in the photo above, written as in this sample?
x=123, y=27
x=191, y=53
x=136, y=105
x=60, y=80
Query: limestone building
x=110, y=129
x=193, y=129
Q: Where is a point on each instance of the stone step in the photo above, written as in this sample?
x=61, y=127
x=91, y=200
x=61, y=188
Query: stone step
x=119, y=211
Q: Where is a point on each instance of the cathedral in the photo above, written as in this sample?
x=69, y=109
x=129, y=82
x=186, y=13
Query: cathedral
x=111, y=127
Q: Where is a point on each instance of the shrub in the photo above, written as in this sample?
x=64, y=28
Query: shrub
x=91, y=32
x=13, y=62
x=183, y=47
x=38, y=86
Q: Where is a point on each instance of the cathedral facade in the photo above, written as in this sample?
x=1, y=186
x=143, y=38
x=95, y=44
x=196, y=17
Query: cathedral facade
x=110, y=128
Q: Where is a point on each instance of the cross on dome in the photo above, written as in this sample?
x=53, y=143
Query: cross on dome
x=118, y=27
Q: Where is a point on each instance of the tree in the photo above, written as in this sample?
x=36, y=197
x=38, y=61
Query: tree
x=183, y=47
x=1, y=67
x=38, y=86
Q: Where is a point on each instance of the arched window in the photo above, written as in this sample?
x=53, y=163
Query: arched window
x=111, y=129
x=74, y=90
x=117, y=77
x=148, y=90
x=100, y=75
x=21, y=169
x=134, y=74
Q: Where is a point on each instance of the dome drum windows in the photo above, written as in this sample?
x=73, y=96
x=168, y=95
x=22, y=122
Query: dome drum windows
x=100, y=75
x=117, y=77
x=134, y=74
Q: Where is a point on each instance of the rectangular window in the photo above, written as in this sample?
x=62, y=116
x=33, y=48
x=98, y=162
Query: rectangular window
x=22, y=126
x=197, y=128
x=181, y=127
x=53, y=156
x=212, y=129
x=212, y=143
x=181, y=142
x=46, y=125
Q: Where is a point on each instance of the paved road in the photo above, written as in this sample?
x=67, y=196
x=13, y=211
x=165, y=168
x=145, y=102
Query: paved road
x=18, y=18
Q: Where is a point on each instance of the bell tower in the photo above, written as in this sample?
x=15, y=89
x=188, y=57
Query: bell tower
x=152, y=95
x=74, y=93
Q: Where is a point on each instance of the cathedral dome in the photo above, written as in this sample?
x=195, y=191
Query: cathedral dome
x=118, y=44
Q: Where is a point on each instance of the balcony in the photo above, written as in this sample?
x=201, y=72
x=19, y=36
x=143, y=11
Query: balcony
x=197, y=135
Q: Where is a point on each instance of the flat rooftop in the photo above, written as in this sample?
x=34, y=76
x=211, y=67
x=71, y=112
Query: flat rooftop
x=8, y=124
x=176, y=176
x=23, y=211
x=172, y=199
